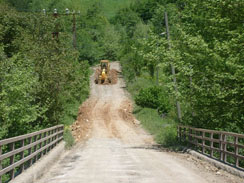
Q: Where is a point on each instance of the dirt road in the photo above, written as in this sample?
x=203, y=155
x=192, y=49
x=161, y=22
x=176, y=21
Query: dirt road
x=118, y=150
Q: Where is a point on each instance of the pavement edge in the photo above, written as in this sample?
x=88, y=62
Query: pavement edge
x=217, y=163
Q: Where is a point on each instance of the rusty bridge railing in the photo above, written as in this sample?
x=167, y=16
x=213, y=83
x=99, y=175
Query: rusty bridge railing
x=19, y=153
x=226, y=147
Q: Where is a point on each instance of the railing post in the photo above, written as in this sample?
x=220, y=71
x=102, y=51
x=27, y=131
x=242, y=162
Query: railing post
x=189, y=137
x=52, y=140
x=221, y=146
x=211, y=144
x=49, y=139
x=184, y=135
x=180, y=134
x=45, y=143
x=196, y=140
x=61, y=129
x=41, y=145
x=203, y=142
x=236, y=151
x=0, y=163
x=22, y=155
x=12, y=146
x=34, y=150
x=224, y=148
x=30, y=150
x=56, y=135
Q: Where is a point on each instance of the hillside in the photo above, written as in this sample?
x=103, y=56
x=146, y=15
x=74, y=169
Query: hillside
x=108, y=7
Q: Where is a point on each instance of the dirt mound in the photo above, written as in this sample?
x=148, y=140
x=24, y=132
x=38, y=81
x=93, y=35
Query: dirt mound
x=82, y=126
x=126, y=112
x=113, y=76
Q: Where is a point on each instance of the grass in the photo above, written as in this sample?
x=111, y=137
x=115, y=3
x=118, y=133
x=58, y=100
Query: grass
x=164, y=129
x=68, y=138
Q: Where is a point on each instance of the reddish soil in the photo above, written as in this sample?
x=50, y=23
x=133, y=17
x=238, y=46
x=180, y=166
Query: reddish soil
x=126, y=112
x=82, y=126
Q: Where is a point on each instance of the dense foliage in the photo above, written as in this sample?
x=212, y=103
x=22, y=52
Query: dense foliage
x=155, y=98
x=40, y=76
x=206, y=50
x=43, y=78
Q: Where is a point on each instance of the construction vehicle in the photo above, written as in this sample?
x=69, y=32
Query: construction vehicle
x=103, y=76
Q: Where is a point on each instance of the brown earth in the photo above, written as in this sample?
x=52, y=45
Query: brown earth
x=82, y=126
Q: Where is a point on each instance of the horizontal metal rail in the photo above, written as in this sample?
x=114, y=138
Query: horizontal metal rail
x=19, y=153
x=225, y=146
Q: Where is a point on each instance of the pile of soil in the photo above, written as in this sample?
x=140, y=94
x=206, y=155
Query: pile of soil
x=113, y=76
x=82, y=126
x=126, y=112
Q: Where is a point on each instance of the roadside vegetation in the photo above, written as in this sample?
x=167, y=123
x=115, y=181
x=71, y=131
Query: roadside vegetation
x=206, y=50
x=44, y=80
x=161, y=124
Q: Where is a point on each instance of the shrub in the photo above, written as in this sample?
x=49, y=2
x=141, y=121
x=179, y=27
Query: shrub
x=168, y=136
x=153, y=97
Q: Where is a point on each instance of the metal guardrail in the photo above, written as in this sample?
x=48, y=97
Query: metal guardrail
x=19, y=153
x=225, y=146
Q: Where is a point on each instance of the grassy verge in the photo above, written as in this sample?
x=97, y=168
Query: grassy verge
x=68, y=138
x=164, y=129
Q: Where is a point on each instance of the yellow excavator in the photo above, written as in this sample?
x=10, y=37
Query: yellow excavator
x=103, y=75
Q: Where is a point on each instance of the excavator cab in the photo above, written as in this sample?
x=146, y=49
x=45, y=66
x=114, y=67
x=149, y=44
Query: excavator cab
x=105, y=65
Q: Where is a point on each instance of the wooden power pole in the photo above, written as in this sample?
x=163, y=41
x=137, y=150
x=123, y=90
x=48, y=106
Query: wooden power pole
x=172, y=67
x=56, y=15
x=74, y=30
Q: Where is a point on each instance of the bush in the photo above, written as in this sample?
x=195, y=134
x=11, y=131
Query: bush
x=68, y=138
x=153, y=97
x=168, y=136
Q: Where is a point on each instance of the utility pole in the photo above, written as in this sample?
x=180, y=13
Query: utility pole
x=56, y=33
x=172, y=67
x=67, y=12
x=74, y=30
x=74, y=26
x=157, y=83
x=157, y=67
